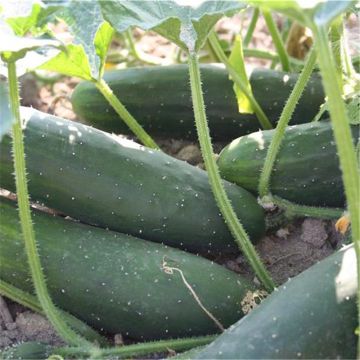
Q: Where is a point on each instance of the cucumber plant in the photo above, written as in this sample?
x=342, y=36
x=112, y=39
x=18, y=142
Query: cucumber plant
x=86, y=58
x=12, y=49
x=188, y=28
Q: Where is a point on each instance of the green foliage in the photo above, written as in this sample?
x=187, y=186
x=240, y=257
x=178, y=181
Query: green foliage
x=86, y=23
x=236, y=60
x=186, y=26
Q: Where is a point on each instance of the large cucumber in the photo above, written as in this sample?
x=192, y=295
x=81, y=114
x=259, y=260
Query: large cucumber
x=99, y=179
x=307, y=168
x=312, y=316
x=118, y=283
x=159, y=97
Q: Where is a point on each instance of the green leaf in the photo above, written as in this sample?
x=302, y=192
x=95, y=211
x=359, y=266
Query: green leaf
x=13, y=48
x=186, y=26
x=309, y=13
x=236, y=59
x=102, y=42
x=6, y=116
x=86, y=23
x=353, y=110
x=23, y=17
x=72, y=62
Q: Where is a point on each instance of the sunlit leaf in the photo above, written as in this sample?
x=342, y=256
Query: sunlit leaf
x=72, y=62
x=236, y=59
x=24, y=16
x=186, y=26
x=87, y=25
x=13, y=48
x=308, y=12
x=6, y=117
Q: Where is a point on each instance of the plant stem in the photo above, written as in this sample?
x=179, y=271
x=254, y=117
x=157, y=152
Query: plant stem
x=293, y=210
x=31, y=302
x=343, y=139
x=218, y=190
x=120, y=109
x=276, y=37
x=130, y=41
x=129, y=351
x=263, y=119
x=251, y=28
x=38, y=277
x=269, y=55
x=264, y=182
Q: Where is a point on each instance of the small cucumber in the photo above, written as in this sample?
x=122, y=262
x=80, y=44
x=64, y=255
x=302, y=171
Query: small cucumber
x=102, y=180
x=26, y=351
x=121, y=284
x=307, y=168
x=312, y=316
x=159, y=97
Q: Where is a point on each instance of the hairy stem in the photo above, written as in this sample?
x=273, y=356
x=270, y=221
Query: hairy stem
x=295, y=210
x=31, y=302
x=264, y=182
x=276, y=37
x=252, y=25
x=217, y=187
x=120, y=109
x=263, y=119
x=138, y=349
x=33, y=257
x=343, y=139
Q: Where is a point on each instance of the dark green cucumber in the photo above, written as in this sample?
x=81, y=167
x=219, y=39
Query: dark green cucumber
x=26, y=351
x=117, y=283
x=312, y=316
x=306, y=170
x=159, y=98
x=102, y=180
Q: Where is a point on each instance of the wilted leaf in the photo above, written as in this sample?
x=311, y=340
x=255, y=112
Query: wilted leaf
x=236, y=59
x=186, y=26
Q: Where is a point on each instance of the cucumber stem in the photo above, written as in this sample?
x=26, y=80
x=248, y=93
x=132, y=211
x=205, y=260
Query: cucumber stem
x=251, y=28
x=120, y=109
x=32, y=253
x=264, y=181
x=129, y=351
x=218, y=190
x=276, y=37
x=31, y=302
x=343, y=139
x=263, y=119
x=293, y=210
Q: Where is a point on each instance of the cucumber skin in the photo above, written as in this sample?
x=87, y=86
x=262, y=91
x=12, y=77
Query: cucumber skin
x=159, y=98
x=115, y=282
x=309, y=322
x=28, y=350
x=306, y=171
x=91, y=176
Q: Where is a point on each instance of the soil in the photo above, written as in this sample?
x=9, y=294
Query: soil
x=286, y=252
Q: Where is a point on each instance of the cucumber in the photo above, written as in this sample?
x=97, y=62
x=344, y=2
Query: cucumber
x=312, y=316
x=26, y=351
x=159, y=97
x=117, y=283
x=307, y=168
x=101, y=180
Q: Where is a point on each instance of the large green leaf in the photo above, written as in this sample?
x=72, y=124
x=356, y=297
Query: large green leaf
x=87, y=25
x=186, y=26
x=308, y=12
x=73, y=62
x=6, y=117
x=13, y=48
